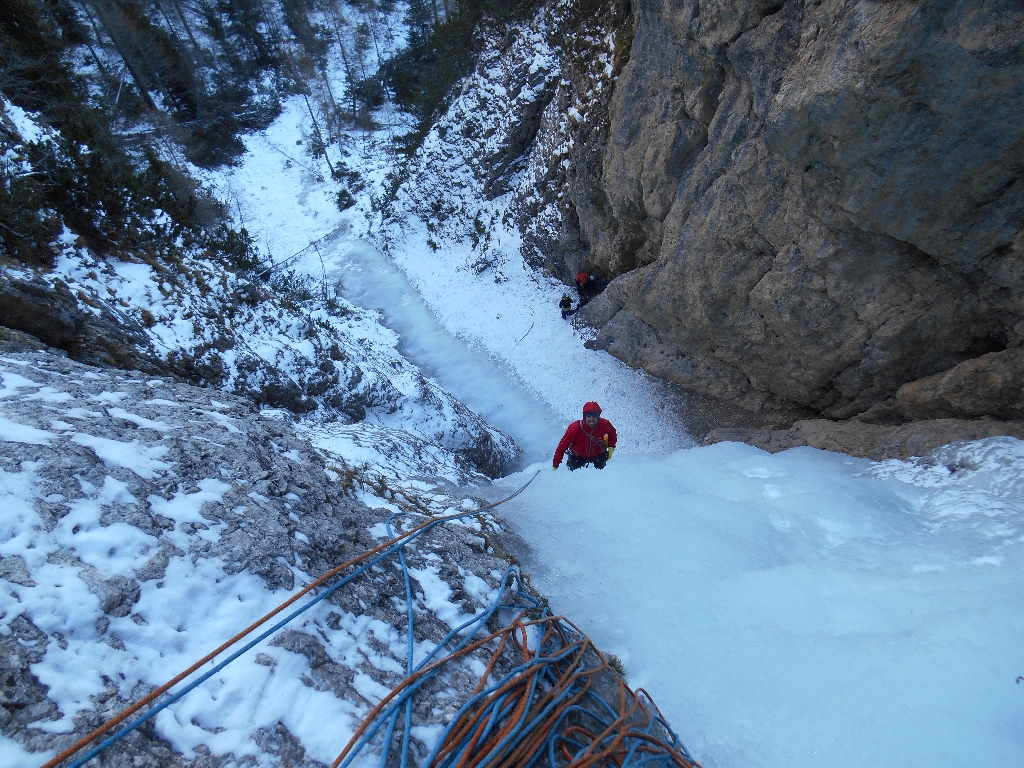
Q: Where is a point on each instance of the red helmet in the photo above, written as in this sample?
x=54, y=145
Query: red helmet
x=591, y=407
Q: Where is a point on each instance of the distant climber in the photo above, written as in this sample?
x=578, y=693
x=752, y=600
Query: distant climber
x=591, y=440
x=583, y=281
x=566, y=306
x=588, y=286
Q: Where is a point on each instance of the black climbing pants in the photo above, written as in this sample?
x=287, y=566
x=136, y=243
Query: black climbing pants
x=575, y=462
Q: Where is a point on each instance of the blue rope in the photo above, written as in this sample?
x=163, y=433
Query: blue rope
x=206, y=676
x=406, y=695
x=544, y=671
x=409, y=660
x=396, y=547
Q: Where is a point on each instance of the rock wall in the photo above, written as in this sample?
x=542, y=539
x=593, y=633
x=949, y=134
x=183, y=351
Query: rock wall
x=52, y=314
x=814, y=208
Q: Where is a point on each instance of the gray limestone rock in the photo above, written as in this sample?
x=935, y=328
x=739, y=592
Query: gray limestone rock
x=117, y=594
x=870, y=441
x=990, y=385
x=286, y=750
x=812, y=205
x=138, y=452
x=14, y=570
x=54, y=315
x=156, y=566
x=325, y=674
x=22, y=697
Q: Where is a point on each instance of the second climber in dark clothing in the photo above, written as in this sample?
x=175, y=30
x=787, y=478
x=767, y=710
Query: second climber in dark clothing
x=566, y=306
x=585, y=283
x=591, y=440
x=588, y=286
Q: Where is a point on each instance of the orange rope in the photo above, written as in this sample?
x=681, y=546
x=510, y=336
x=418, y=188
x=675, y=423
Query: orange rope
x=156, y=693
x=599, y=751
x=405, y=684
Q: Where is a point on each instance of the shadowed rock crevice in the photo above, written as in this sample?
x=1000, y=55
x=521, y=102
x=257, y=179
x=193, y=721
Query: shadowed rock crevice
x=52, y=314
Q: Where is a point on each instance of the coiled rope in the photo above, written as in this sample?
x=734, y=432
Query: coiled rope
x=548, y=705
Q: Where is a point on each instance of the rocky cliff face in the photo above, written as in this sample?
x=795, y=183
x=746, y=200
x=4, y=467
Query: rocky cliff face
x=811, y=208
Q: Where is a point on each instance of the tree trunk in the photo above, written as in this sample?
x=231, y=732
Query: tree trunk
x=188, y=29
x=140, y=82
x=319, y=135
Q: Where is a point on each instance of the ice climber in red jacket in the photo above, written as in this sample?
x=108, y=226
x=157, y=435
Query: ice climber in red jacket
x=591, y=440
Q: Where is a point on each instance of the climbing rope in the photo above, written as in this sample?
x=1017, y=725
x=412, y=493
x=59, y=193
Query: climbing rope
x=548, y=710
x=551, y=708
x=378, y=553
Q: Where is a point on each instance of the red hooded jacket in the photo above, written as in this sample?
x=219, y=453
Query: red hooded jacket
x=584, y=442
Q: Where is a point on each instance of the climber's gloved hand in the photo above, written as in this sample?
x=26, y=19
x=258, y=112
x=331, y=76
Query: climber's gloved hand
x=554, y=466
x=610, y=452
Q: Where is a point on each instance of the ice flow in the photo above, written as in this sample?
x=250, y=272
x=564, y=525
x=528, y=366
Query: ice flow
x=804, y=608
x=370, y=280
x=801, y=609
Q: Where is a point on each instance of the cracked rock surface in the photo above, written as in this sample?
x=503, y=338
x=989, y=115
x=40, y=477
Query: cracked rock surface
x=809, y=205
x=146, y=521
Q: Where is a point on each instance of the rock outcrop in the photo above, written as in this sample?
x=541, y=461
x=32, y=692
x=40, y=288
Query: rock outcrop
x=814, y=208
x=203, y=324
x=136, y=512
x=870, y=441
x=990, y=385
x=50, y=312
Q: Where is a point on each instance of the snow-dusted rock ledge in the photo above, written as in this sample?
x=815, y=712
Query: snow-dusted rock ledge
x=145, y=522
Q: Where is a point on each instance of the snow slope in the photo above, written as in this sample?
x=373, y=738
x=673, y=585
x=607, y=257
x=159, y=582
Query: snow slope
x=144, y=523
x=286, y=205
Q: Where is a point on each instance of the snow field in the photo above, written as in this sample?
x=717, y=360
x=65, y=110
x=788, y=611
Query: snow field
x=803, y=608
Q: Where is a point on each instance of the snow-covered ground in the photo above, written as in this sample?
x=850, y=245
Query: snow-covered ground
x=186, y=519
